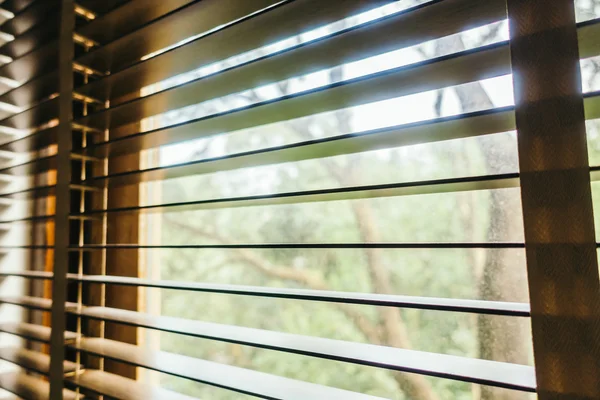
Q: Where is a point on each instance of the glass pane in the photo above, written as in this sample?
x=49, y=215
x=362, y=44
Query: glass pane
x=469, y=216
x=587, y=9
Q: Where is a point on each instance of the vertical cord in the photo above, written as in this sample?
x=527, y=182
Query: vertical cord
x=81, y=240
x=63, y=199
x=104, y=239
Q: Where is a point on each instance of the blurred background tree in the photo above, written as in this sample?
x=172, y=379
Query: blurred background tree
x=482, y=216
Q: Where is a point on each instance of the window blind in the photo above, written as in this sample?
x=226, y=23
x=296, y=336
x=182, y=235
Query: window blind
x=360, y=157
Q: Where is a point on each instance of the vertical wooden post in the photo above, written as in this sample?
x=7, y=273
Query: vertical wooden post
x=120, y=228
x=63, y=179
x=560, y=240
x=123, y=228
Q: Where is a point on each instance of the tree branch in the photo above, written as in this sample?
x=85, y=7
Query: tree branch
x=304, y=278
x=415, y=386
x=396, y=335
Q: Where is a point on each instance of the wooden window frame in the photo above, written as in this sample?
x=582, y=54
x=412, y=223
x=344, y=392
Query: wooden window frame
x=556, y=199
x=560, y=240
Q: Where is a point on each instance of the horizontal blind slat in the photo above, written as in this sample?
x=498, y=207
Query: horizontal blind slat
x=493, y=373
x=29, y=387
x=27, y=274
x=288, y=19
x=338, y=245
x=32, y=332
x=101, y=6
x=30, y=193
x=410, y=27
x=429, y=131
x=122, y=388
x=33, y=91
x=128, y=17
x=33, y=64
x=220, y=375
x=34, y=38
x=180, y=24
x=30, y=167
x=36, y=303
x=40, y=333
x=40, y=138
x=464, y=67
x=459, y=305
x=32, y=360
x=28, y=16
x=33, y=117
x=16, y=6
x=335, y=194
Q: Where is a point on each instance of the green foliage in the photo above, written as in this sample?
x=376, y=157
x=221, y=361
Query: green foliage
x=442, y=273
x=447, y=217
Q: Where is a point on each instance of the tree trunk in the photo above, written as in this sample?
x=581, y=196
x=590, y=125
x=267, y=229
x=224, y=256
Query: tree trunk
x=504, y=276
x=414, y=386
x=393, y=328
